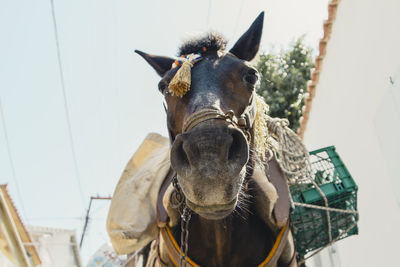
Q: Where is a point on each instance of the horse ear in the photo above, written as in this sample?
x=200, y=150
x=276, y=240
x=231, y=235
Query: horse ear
x=159, y=63
x=247, y=46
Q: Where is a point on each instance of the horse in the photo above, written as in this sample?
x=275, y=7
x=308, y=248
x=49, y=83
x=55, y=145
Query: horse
x=229, y=202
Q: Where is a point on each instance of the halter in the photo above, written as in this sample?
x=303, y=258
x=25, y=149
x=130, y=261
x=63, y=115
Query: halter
x=244, y=122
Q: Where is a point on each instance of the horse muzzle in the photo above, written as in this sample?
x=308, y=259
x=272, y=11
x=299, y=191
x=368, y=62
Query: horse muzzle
x=210, y=162
x=213, y=212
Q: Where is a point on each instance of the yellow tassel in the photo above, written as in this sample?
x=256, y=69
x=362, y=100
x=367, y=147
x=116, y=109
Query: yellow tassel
x=180, y=84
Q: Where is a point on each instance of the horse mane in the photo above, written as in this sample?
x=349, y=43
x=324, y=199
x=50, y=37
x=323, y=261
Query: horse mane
x=211, y=41
x=262, y=142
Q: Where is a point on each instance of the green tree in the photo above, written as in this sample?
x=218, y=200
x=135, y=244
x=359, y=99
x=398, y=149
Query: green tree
x=283, y=81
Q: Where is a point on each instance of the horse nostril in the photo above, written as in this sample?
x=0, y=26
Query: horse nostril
x=238, y=151
x=178, y=156
x=234, y=148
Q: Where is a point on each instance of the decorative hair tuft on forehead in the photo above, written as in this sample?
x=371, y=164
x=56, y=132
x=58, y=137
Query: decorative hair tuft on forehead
x=210, y=42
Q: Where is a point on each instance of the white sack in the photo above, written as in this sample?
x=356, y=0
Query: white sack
x=131, y=221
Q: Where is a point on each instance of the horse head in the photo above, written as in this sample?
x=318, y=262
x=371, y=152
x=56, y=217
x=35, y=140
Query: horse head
x=211, y=126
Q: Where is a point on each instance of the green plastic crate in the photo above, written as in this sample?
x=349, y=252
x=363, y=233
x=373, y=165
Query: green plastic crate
x=310, y=225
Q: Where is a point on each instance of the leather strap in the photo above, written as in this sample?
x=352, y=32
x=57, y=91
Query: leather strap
x=162, y=215
x=272, y=259
x=293, y=262
x=173, y=249
x=282, y=205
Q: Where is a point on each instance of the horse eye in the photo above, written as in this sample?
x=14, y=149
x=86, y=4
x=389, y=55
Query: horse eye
x=251, y=77
x=162, y=86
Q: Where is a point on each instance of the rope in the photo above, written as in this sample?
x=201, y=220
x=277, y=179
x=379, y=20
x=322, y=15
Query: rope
x=330, y=243
x=200, y=116
x=328, y=215
x=291, y=153
x=324, y=208
x=293, y=158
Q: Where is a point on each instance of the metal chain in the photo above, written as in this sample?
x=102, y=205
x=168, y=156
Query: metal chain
x=186, y=214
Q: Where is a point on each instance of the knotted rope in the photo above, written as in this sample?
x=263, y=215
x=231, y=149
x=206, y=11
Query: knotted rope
x=291, y=154
x=294, y=161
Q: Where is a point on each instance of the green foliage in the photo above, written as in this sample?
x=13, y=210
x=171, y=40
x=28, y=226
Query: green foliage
x=283, y=81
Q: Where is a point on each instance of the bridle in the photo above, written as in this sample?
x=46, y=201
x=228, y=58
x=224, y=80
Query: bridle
x=243, y=122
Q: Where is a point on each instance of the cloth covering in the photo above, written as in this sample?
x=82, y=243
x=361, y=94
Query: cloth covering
x=131, y=221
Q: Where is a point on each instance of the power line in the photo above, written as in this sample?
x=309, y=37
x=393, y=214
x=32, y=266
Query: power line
x=75, y=161
x=55, y=218
x=87, y=216
x=237, y=19
x=14, y=174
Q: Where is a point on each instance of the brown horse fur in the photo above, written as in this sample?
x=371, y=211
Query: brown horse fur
x=217, y=167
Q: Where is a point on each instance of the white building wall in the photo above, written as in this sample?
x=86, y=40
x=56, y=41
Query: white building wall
x=55, y=246
x=5, y=262
x=55, y=250
x=357, y=109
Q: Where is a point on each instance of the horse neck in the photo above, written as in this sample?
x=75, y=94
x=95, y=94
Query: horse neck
x=241, y=239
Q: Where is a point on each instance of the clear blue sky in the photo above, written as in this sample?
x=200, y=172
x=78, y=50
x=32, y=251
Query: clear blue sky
x=111, y=92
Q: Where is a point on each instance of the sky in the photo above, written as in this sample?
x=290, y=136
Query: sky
x=111, y=101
